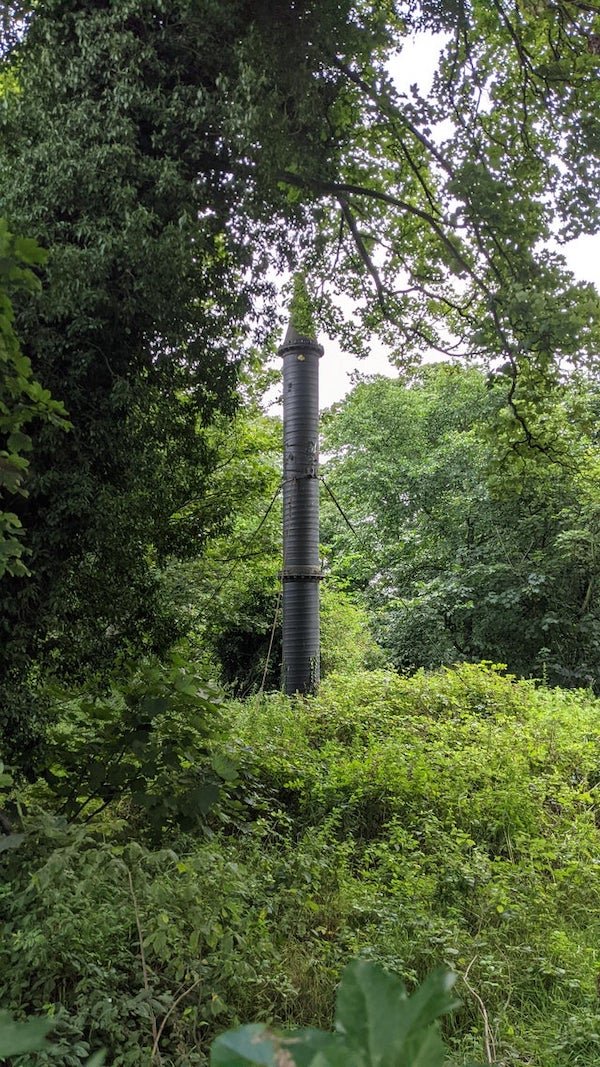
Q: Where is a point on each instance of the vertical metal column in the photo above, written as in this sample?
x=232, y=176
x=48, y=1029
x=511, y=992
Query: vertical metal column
x=301, y=566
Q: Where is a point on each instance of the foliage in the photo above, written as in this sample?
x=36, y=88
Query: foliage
x=444, y=818
x=152, y=744
x=16, y=1038
x=209, y=928
x=301, y=310
x=138, y=153
x=447, y=202
x=22, y=398
x=227, y=596
x=465, y=548
x=376, y=1023
x=347, y=643
x=470, y=803
x=100, y=506
x=167, y=154
x=201, y=164
x=132, y=134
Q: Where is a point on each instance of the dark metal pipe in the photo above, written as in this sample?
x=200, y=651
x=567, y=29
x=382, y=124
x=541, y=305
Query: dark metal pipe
x=301, y=566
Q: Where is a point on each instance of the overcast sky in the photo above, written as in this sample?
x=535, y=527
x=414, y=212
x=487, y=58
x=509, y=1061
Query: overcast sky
x=417, y=64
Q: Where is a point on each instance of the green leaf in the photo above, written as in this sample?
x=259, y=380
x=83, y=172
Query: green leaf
x=19, y=442
x=11, y=841
x=378, y=1019
x=97, y=1060
x=16, y=1038
x=28, y=251
x=315, y=1048
x=201, y=799
x=333, y=1056
x=253, y=1044
x=186, y=686
x=224, y=767
x=153, y=706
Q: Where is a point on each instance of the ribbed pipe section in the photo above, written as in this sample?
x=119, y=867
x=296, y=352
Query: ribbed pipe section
x=301, y=651
x=301, y=566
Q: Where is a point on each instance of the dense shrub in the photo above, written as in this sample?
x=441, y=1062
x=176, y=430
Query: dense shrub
x=447, y=818
x=152, y=744
x=468, y=802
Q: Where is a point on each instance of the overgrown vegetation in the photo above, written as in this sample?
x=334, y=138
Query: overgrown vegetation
x=448, y=818
x=184, y=850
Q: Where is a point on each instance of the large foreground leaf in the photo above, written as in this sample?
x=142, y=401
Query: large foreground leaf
x=376, y=1016
x=377, y=1025
x=22, y=1037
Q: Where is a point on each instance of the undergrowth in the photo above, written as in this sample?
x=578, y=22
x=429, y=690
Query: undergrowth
x=448, y=818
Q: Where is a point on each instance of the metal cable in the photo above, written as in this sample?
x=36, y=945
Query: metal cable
x=270, y=649
x=344, y=516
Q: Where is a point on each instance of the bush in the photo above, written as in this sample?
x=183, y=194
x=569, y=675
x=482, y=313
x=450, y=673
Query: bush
x=469, y=801
x=446, y=818
x=152, y=745
x=347, y=643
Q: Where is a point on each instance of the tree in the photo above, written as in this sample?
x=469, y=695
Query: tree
x=226, y=597
x=463, y=550
x=446, y=204
x=199, y=141
x=22, y=398
x=128, y=149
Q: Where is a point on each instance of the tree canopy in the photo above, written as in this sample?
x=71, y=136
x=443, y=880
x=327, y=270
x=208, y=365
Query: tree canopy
x=169, y=154
x=459, y=554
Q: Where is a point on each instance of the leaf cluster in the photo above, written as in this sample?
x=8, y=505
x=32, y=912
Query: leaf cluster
x=22, y=398
x=151, y=743
x=376, y=1023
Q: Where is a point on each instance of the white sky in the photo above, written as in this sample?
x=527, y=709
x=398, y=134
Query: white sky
x=337, y=368
x=417, y=64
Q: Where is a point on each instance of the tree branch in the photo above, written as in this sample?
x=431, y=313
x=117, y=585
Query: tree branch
x=338, y=189
x=362, y=251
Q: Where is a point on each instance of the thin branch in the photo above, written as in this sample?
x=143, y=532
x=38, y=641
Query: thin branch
x=388, y=109
x=186, y=993
x=417, y=173
x=523, y=54
x=362, y=250
x=270, y=649
x=488, y=1037
x=143, y=959
x=588, y=596
x=338, y=189
x=249, y=539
